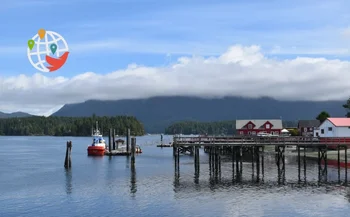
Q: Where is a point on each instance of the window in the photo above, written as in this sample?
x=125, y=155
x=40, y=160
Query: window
x=305, y=129
x=254, y=133
x=317, y=134
x=277, y=132
x=329, y=128
x=310, y=129
x=267, y=126
x=250, y=126
x=322, y=131
x=249, y=132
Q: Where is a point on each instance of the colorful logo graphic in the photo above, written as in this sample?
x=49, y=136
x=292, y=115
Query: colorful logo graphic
x=47, y=51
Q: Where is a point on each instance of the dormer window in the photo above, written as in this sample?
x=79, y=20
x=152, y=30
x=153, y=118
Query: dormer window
x=250, y=126
x=267, y=126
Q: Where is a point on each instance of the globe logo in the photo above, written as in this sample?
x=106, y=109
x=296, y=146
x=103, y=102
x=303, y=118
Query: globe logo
x=47, y=51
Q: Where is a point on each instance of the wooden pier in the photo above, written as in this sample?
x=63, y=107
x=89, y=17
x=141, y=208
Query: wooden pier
x=254, y=147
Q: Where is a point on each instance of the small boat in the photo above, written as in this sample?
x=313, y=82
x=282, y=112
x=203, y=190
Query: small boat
x=138, y=150
x=98, y=146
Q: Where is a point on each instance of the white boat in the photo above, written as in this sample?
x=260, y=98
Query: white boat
x=98, y=146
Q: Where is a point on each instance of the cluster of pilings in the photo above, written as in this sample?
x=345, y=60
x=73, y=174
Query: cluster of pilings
x=113, y=145
x=240, y=153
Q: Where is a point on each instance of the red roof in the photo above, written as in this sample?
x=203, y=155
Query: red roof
x=340, y=122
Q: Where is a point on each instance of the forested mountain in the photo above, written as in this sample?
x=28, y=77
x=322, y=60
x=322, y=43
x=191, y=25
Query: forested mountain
x=158, y=113
x=69, y=126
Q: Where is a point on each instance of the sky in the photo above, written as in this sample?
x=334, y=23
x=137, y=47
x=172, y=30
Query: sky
x=126, y=49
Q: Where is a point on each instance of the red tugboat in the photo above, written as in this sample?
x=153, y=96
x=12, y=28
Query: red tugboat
x=98, y=146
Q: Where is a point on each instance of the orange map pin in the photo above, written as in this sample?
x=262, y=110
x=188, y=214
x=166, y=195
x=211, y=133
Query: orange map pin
x=41, y=33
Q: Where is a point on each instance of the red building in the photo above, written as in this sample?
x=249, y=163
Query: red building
x=253, y=127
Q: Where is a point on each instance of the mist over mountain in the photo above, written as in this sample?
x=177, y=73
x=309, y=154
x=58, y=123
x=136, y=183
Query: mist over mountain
x=14, y=114
x=157, y=113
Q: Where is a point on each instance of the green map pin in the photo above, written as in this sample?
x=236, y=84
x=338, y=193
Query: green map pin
x=31, y=44
x=53, y=48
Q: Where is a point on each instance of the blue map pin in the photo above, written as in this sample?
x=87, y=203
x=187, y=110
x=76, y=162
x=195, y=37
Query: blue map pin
x=53, y=48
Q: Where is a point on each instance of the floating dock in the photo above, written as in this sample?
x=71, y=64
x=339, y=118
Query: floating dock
x=117, y=152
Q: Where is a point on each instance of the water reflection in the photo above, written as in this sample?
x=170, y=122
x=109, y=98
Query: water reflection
x=69, y=187
x=133, y=186
x=280, y=173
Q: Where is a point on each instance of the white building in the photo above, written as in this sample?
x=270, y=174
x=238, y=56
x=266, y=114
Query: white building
x=333, y=127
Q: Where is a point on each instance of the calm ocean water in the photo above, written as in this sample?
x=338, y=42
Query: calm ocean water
x=33, y=182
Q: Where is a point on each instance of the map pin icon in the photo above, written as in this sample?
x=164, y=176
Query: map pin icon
x=53, y=48
x=41, y=33
x=31, y=44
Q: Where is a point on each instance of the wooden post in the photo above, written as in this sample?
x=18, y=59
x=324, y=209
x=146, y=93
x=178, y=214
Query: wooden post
x=128, y=140
x=110, y=141
x=133, y=149
x=346, y=163
x=68, y=159
x=113, y=137
x=161, y=139
x=298, y=147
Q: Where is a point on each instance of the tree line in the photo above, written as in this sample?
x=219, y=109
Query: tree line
x=69, y=126
x=210, y=128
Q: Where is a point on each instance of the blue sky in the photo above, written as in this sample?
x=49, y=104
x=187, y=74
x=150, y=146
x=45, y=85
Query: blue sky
x=106, y=36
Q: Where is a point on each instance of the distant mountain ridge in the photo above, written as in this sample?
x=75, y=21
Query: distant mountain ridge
x=157, y=113
x=14, y=114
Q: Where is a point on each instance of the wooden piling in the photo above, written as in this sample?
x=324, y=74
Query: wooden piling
x=113, y=138
x=346, y=163
x=128, y=141
x=133, y=150
x=68, y=159
x=298, y=147
x=110, y=141
x=253, y=153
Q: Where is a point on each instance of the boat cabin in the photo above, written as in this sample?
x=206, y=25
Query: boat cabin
x=119, y=142
x=96, y=140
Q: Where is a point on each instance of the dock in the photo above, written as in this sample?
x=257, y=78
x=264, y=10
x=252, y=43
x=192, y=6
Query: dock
x=115, y=146
x=253, y=147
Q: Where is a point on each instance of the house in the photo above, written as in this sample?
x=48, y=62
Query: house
x=334, y=127
x=253, y=127
x=306, y=127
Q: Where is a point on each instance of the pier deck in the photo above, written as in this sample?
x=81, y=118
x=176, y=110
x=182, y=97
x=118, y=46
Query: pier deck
x=257, y=141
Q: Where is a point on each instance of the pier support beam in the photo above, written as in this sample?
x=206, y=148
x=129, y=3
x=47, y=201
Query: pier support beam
x=322, y=163
x=196, y=164
x=68, y=158
x=280, y=158
x=345, y=148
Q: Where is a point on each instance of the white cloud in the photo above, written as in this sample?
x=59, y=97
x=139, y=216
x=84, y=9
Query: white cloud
x=240, y=71
x=346, y=32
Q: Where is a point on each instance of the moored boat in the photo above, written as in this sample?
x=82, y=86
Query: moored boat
x=98, y=146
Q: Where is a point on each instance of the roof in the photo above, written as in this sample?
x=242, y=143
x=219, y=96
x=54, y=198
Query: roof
x=284, y=131
x=340, y=122
x=309, y=123
x=277, y=123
